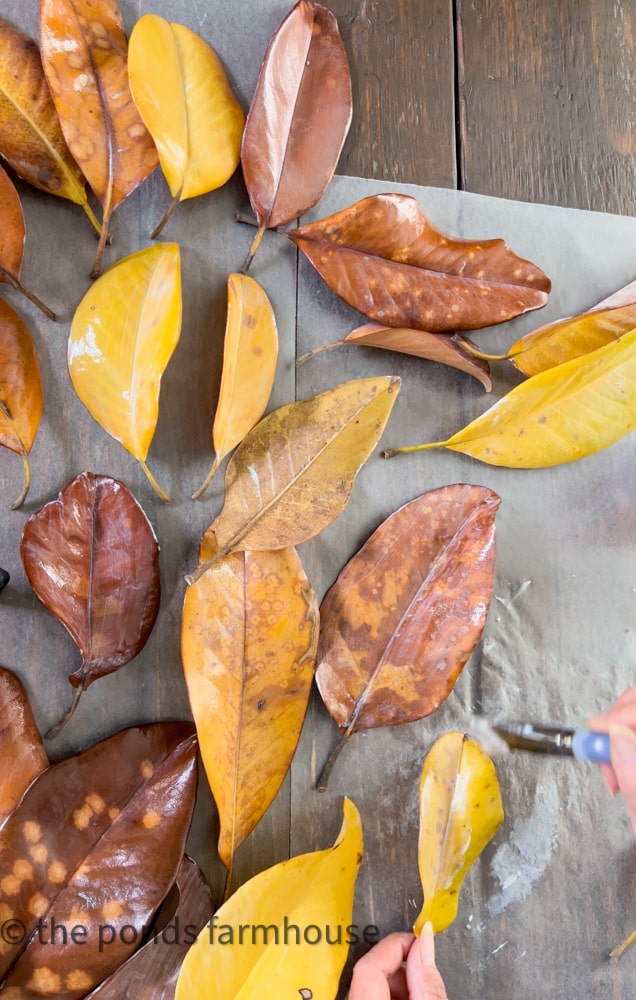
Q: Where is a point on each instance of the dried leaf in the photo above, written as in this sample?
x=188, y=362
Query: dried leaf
x=249, y=633
x=92, y=558
x=250, y=354
x=21, y=397
x=406, y=612
x=185, y=100
x=31, y=139
x=95, y=843
x=557, y=416
x=12, y=236
x=281, y=908
x=151, y=973
x=21, y=750
x=85, y=59
x=460, y=811
x=384, y=258
x=294, y=472
x=299, y=117
x=121, y=339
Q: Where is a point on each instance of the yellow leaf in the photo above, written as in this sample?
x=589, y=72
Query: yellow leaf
x=122, y=336
x=249, y=365
x=460, y=810
x=185, y=100
x=248, y=642
x=295, y=902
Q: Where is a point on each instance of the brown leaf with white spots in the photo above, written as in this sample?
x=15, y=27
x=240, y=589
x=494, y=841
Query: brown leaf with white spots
x=21, y=751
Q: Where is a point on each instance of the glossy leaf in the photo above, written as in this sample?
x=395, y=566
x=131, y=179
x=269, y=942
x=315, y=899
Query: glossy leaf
x=294, y=472
x=185, y=100
x=92, y=558
x=12, y=236
x=250, y=354
x=152, y=972
x=95, y=842
x=85, y=59
x=307, y=891
x=31, y=139
x=249, y=634
x=299, y=117
x=121, y=339
x=557, y=416
x=386, y=259
x=406, y=612
x=21, y=750
x=460, y=811
x=21, y=398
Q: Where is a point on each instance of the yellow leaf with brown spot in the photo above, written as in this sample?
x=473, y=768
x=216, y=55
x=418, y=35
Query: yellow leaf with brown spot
x=21, y=750
x=249, y=634
x=21, y=397
x=460, y=811
x=294, y=939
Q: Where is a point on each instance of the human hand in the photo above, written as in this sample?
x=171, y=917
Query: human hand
x=620, y=722
x=381, y=974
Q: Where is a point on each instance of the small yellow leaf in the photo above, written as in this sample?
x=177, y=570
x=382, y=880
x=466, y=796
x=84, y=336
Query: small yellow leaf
x=460, y=810
x=283, y=932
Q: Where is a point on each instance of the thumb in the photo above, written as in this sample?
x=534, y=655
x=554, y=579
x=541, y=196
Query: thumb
x=423, y=979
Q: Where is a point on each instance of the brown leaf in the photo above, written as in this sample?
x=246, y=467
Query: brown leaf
x=12, y=231
x=384, y=258
x=92, y=849
x=21, y=751
x=407, y=610
x=299, y=117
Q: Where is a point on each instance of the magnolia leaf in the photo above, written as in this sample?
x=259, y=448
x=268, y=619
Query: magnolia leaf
x=21, y=397
x=152, y=972
x=21, y=750
x=85, y=59
x=299, y=118
x=249, y=633
x=293, y=939
x=294, y=472
x=31, y=139
x=121, y=339
x=557, y=416
x=406, y=612
x=384, y=258
x=12, y=236
x=94, y=844
x=250, y=354
x=92, y=558
x=460, y=811
x=185, y=101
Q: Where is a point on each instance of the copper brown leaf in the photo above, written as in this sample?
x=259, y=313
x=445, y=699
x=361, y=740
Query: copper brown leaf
x=92, y=558
x=386, y=259
x=21, y=750
x=92, y=849
x=12, y=236
x=299, y=117
x=407, y=610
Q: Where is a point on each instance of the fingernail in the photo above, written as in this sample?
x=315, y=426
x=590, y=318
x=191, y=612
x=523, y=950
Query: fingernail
x=623, y=743
x=427, y=944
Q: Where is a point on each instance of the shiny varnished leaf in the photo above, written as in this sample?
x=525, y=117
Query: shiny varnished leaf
x=185, y=100
x=311, y=889
x=95, y=842
x=21, y=750
x=386, y=259
x=407, y=610
x=121, y=339
x=21, y=396
x=249, y=633
x=460, y=811
x=12, y=236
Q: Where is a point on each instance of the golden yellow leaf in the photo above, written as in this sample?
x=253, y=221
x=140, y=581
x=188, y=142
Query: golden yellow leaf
x=185, y=100
x=249, y=364
x=296, y=918
x=122, y=336
x=460, y=810
x=248, y=643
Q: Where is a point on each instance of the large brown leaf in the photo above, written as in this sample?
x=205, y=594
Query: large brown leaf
x=21, y=751
x=93, y=560
x=299, y=117
x=92, y=849
x=407, y=610
x=386, y=259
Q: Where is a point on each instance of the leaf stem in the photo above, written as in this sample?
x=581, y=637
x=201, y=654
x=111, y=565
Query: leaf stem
x=56, y=729
x=256, y=242
x=6, y=412
x=472, y=349
x=318, y=350
x=408, y=448
x=92, y=218
x=153, y=482
x=208, y=479
x=334, y=753
x=19, y=287
x=168, y=212
x=620, y=948
x=203, y=567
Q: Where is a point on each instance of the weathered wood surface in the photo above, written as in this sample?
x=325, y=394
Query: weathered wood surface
x=562, y=644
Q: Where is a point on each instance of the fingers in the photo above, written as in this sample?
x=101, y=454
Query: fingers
x=423, y=979
x=620, y=722
x=379, y=975
x=623, y=711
